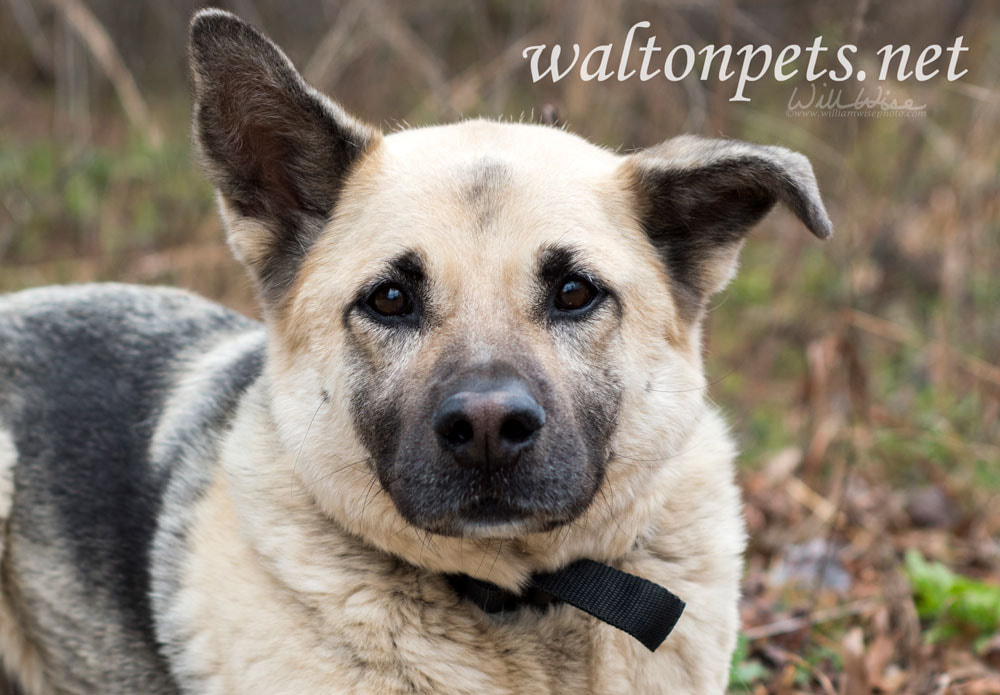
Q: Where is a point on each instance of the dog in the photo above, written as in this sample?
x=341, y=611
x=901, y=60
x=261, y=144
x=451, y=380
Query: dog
x=479, y=365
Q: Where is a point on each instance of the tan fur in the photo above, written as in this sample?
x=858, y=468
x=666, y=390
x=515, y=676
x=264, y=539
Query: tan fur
x=8, y=459
x=18, y=654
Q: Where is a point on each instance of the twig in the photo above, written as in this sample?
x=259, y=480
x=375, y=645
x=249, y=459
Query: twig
x=467, y=87
x=982, y=94
x=901, y=334
x=852, y=651
x=412, y=47
x=27, y=22
x=98, y=42
x=331, y=46
x=824, y=681
x=858, y=20
x=823, y=508
x=789, y=625
x=718, y=107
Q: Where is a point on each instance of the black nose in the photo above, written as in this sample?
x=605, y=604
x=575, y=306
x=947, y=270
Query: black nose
x=487, y=424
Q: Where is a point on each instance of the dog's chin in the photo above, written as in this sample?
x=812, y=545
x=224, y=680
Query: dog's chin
x=490, y=519
x=478, y=529
x=497, y=528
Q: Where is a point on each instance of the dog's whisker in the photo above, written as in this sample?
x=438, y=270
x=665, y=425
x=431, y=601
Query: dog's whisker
x=610, y=510
x=497, y=557
x=361, y=466
x=298, y=452
x=364, y=503
x=696, y=388
x=483, y=552
x=423, y=545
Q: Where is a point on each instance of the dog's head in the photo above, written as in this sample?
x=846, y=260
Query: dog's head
x=489, y=323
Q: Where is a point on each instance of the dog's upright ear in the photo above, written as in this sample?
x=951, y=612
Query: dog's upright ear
x=277, y=151
x=698, y=198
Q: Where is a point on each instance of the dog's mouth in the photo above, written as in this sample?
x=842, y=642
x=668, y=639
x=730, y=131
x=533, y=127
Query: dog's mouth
x=491, y=516
x=490, y=513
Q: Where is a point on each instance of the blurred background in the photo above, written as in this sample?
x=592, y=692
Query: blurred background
x=861, y=376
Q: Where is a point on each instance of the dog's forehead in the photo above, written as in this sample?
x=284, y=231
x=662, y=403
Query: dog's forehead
x=467, y=163
x=518, y=143
x=487, y=184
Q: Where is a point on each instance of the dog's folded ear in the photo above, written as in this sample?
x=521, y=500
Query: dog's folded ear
x=277, y=150
x=698, y=198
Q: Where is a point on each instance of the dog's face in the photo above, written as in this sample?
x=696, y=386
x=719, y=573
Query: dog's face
x=490, y=323
x=479, y=326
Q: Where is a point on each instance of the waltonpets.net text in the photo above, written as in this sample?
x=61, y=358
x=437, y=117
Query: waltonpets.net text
x=754, y=62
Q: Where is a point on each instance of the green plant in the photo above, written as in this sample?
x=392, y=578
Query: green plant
x=956, y=604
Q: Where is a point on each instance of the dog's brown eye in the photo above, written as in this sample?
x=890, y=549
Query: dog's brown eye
x=389, y=299
x=575, y=294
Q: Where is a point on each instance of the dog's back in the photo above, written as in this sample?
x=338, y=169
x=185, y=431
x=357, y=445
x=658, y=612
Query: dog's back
x=85, y=378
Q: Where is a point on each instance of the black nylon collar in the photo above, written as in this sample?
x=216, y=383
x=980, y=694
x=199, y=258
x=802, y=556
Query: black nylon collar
x=635, y=605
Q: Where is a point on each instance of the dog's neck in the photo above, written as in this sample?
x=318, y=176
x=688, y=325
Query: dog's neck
x=491, y=598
